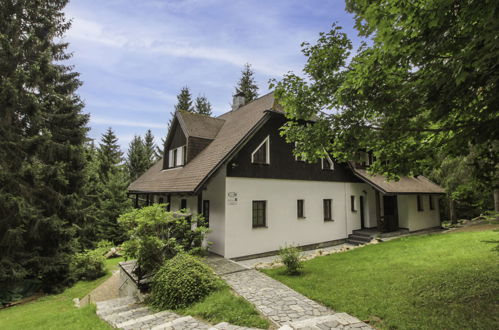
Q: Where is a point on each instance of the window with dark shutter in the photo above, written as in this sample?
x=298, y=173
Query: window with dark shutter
x=206, y=213
x=328, y=212
x=183, y=204
x=420, y=203
x=430, y=198
x=300, y=203
x=259, y=214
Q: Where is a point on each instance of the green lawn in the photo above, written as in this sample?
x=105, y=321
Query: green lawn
x=57, y=311
x=225, y=306
x=436, y=281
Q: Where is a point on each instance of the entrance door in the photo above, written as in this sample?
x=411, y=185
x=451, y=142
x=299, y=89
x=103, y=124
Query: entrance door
x=362, y=217
x=391, y=221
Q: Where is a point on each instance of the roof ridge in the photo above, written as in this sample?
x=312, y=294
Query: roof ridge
x=200, y=115
x=232, y=111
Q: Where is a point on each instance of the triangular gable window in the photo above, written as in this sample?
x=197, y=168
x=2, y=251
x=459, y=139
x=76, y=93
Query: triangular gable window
x=327, y=163
x=261, y=155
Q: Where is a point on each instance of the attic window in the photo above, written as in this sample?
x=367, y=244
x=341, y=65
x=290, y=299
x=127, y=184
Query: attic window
x=261, y=155
x=176, y=157
x=327, y=163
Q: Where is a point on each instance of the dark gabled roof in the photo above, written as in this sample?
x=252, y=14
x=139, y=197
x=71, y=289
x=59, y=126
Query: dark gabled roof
x=200, y=126
x=406, y=184
x=235, y=127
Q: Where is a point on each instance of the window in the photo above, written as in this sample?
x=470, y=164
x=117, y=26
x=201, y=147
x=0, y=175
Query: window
x=352, y=204
x=259, y=214
x=328, y=212
x=177, y=157
x=183, y=204
x=430, y=198
x=300, y=212
x=184, y=155
x=170, y=158
x=327, y=164
x=420, y=203
x=261, y=155
x=206, y=213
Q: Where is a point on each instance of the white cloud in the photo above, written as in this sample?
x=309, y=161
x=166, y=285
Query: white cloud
x=123, y=122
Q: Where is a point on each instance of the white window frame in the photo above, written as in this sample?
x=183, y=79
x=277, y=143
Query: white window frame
x=173, y=163
x=170, y=158
x=267, y=151
x=331, y=163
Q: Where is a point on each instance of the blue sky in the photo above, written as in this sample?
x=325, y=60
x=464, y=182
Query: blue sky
x=135, y=56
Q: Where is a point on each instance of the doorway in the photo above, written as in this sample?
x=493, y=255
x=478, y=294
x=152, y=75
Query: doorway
x=391, y=221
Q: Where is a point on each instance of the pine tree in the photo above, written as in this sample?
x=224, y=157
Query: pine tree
x=184, y=100
x=202, y=106
x=159, y=151
x=247, y=84
x=42, y=132
x=137, y=159
x=110, y=154
x=150, y=148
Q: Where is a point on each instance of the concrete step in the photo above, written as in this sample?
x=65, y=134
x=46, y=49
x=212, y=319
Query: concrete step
x=117, y=318
x=363, y=233
x=115, y=302
x=360, y=238
x=356, y=242
x=148, y=321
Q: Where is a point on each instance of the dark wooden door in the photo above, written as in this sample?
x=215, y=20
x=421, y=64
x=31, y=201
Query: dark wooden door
x=362, y=217
x=391, y=221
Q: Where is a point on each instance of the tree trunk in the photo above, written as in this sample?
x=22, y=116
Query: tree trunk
x=452, y=212
x=496, y=199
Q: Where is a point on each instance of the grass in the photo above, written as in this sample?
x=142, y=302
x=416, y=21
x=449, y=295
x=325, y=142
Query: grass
x=224, y=306
x=436, y=281
x=58, y=311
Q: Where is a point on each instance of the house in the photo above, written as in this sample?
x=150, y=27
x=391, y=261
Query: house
x=242, y=176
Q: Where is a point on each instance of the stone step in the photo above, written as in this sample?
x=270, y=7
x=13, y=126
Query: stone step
x=363, y=233
x=356, y=242
x=115, y=302
x=121, y=317
x=360, y=238
x=148, y=321
x=184, y=323
x=113, y=310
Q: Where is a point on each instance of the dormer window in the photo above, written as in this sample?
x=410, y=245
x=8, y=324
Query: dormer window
x=327, y=163
x=261, y=155
x=176, y=157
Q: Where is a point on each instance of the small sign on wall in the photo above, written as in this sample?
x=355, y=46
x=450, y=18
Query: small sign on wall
x=232, y=198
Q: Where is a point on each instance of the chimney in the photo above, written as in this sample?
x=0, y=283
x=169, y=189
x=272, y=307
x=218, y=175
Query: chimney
x=238, y=100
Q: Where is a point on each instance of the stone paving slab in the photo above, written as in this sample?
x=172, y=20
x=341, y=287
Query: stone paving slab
x=222, y=266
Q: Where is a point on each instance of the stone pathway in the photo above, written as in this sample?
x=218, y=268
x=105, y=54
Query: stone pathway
x=106, y=291
x=282, y=305
x=128, y=314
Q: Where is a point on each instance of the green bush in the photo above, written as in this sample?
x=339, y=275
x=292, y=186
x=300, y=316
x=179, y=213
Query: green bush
x=88, y=265
x=182, y=281
x=157, y=235
x=290, y=257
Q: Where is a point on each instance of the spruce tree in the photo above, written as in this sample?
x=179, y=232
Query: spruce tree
x=110, y=154
x=137, y=160
x=202, y=106
x=150, y=148
x=184, y=99
x=247, y=84
x=159, y=151
x=42, y=132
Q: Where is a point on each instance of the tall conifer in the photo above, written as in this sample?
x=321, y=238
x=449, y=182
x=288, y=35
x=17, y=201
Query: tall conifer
x=184, y=100
x=202, y=106
x=247, y=84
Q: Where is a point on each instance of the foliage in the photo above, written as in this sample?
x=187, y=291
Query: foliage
x=225, y=306
x=156, y=235
x=88, y=265
x=42, y=131
x=202, y=106
x=182, y=281
x=184, y=100
x=137, y=160
x=290, y=257
x=436, y=281
x=109, y=154
x=424, y=84
x=58, y=311
x=247, y=84
x=150, y=148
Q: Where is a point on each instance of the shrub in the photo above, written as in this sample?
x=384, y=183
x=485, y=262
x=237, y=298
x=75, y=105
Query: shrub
x=182, y=281
x=157, y=235
x=88, y=265
x=290, y=257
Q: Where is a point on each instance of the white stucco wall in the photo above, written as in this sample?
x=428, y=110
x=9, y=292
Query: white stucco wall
x=411, y=218
x=215, y=193
x=283, y=227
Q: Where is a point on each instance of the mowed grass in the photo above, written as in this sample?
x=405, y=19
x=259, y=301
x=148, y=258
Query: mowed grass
x=224, y=306
x=58, y=311
x=436, y=281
